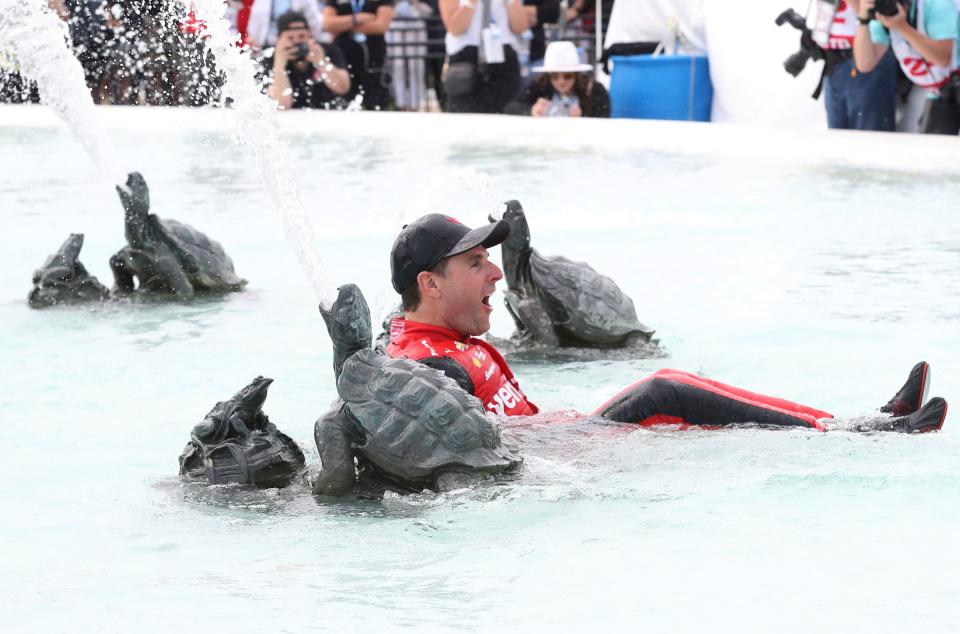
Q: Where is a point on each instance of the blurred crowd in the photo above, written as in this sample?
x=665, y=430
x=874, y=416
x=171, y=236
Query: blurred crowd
x=876, y=54
x=516, y=56
x=523, y=57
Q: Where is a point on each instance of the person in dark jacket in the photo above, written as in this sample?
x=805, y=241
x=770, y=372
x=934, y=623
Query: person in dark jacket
x=564, y=88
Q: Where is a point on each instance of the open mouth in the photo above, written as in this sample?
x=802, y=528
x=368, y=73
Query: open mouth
x=486, y=302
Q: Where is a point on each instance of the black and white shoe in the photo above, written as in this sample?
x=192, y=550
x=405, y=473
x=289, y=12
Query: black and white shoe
x=911, y=396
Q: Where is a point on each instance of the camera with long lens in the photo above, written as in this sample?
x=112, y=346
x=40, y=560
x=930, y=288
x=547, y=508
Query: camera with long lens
x=808, y=48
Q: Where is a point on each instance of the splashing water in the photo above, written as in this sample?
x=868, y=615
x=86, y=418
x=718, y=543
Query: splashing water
x=254, y=119
x=38, y=40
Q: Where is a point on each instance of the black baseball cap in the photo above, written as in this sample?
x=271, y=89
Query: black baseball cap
x=427, y=240
x=286, y=21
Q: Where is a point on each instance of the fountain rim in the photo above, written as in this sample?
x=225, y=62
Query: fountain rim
x=840, y=149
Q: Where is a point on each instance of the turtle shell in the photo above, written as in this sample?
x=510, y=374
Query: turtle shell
x=206, y=263
x=582, y=303
x=417, y=421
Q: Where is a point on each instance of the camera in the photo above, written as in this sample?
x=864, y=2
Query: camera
x=808, y=48
x=300, y=51
x=886, y=7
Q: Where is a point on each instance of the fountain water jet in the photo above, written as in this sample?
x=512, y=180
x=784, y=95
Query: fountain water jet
x=38, y=39
x=254, y=119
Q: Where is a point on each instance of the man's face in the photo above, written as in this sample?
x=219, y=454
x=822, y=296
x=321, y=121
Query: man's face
x=297, y=33
x=466, y=287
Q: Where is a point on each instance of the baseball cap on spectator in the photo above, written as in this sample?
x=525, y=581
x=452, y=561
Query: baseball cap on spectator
x=425, y=241
x=290, y=20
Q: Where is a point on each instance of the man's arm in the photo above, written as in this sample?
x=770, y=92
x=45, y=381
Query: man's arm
x=516, y=16
x=376, y=24
x=334, y=77
x=457, y=14
x=337, y=24
x=938, y=52
x=866, y=54
x=280, y=90
x=452, y=369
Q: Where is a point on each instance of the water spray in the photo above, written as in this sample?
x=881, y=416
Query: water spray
x=254, y=118
x=38, y=39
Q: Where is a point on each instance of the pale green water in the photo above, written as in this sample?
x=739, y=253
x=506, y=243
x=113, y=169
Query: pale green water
x=813, y=284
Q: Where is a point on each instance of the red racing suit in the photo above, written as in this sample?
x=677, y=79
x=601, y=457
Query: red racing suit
x=493, y=382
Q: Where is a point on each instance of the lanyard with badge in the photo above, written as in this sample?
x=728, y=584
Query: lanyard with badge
x=356, y=6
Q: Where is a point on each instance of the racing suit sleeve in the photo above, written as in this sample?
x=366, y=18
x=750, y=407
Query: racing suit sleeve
x=452, y=369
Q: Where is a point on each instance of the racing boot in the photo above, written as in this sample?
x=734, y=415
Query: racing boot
x=911, y=396
x=930, y=417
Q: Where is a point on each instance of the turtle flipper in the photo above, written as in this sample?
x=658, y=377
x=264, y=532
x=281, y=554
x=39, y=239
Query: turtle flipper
x=531, y=318
x=453, y=480
x=174, y=277
x=122, y=275
x=334, y=433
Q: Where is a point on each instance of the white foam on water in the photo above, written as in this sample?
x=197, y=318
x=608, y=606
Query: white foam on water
x=38, y=40
x=253, y=116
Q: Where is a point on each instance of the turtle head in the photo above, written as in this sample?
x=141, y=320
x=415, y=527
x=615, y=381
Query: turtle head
x=246, y=405
x=516, y=248
x=62, y=265
x=349, y=324
x=135, y=196
x=64, y=279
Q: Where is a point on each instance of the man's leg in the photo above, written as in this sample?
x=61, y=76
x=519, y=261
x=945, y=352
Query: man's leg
x=680, y=398
x=871, y=96
x=738, y=392
x=835, y=98
x=674, y=397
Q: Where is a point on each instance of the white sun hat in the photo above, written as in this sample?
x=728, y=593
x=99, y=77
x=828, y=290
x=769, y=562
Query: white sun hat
x=562, y=57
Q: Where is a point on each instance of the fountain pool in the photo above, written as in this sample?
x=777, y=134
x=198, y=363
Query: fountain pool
x=818, y=267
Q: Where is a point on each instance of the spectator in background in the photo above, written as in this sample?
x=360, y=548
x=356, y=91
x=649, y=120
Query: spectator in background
x=564, y=88
x=482, y=78
x=436, y=51
x=358, y=27
x=304, y=74
x=407, y=41
x=856, y=100
x=261, y=26
x=923, y=39
x=542, y=12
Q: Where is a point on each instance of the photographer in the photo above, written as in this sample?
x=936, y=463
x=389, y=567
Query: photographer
x=305, y=74
x=483, y=68
x=564, y=88
x=358, y=27
x=923, y=38
x=856, y=100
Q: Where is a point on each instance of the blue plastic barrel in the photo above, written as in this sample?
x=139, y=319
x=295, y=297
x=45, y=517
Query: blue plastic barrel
x=666, y=87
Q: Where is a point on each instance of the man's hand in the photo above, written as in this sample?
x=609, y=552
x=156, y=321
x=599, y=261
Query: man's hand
x=281, y=55
x=316, y=54
x=540, y=108
x=894, y=22
x=866, y=8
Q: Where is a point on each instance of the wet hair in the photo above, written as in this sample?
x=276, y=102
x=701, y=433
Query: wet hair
x=581, y=88
x=410, y=297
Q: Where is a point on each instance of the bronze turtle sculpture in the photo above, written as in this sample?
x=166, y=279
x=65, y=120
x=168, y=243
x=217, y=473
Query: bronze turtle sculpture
x=555, y=301
x=237, y=443
x=165, y=256
x=408, y=423
x=64, y=280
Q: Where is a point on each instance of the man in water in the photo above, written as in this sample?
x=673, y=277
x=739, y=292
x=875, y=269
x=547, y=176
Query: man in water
x=445, y=278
